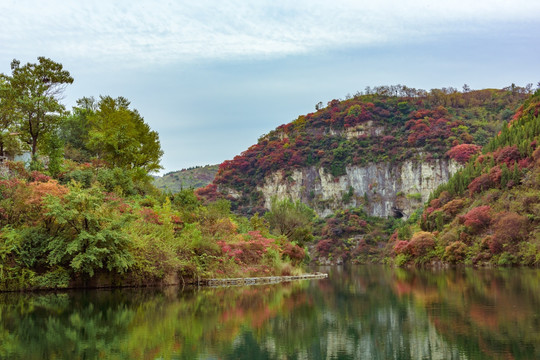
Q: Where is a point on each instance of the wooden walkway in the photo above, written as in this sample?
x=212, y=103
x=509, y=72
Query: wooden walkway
x=260, y=280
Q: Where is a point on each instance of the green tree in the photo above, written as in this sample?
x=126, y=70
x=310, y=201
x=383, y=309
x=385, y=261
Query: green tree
x=87, y=233
x=120, y=136
x=75, y=130
x=36, y=90
x=7, y=117
x=292, y=219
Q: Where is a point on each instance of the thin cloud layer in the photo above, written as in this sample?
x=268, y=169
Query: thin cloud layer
x=158, y=32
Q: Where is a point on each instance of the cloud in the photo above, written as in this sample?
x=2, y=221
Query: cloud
x=160, y=31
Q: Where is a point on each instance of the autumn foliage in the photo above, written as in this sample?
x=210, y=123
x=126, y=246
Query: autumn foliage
x=463, y=152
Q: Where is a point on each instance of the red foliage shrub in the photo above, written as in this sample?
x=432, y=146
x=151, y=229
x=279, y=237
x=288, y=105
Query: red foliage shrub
x=508, y=155
x=435, y=203
x=481, y=183
x=478, y=218
x=324, y=247
x=453, y=207
x=209, y=193
x=494, y=245
x=536, y=156
x=495, y=174
x=462, y=153
x=39, y=177
x=402, y=247
x=294, y=252
x=150, y=216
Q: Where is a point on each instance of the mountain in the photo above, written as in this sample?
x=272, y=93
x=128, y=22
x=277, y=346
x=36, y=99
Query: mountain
x=366, y=164
x=385, y=151
x=195, y=177
x=488, y=213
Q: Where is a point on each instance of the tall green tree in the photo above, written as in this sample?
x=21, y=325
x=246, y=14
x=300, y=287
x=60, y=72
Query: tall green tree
x=37, y=89
x=120, y=136
x=7, y=114
x=75, y=130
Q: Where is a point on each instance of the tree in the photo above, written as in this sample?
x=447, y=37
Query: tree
x=7, y=116
x=292, y=219
x=75, y=130
x=36, y=90
x=120, y=136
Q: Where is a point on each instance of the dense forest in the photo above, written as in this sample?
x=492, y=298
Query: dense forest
x=82, y=210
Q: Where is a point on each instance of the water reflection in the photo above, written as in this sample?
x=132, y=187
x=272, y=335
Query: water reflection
x=357, y=313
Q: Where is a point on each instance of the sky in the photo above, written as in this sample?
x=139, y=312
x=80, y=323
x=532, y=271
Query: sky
x=211, y=77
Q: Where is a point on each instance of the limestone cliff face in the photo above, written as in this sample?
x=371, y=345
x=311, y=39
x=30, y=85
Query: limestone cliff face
x=383, y=189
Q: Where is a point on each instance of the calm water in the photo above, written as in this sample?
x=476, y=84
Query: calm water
x=358, y=313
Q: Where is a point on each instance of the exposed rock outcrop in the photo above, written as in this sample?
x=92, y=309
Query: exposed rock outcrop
x=384, y=189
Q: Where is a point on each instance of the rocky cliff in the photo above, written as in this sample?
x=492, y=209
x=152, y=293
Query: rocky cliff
x=383, y=189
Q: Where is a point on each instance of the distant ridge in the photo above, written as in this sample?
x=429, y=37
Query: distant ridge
x=194, y=177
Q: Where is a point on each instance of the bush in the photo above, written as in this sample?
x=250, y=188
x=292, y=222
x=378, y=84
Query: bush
x=510, y=227
x=422, y=243
x=402, y=247
x=455, y=252
x=481, y=183
x=478, y=218
x=463, y=152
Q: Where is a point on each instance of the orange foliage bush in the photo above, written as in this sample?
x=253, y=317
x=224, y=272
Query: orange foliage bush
x=455, y=252
x=421, y=243
x=40, y=190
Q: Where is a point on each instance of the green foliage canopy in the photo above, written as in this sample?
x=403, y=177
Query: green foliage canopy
x=292, y=219
x=120, y=136
x=37, y=89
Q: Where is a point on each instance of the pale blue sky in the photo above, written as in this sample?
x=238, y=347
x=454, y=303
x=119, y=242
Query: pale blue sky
x=212, y=76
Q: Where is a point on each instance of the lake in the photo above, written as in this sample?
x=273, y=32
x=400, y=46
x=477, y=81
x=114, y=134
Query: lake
x=363, y=312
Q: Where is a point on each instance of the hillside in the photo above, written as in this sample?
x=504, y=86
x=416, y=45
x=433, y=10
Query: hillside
x=365, y=164
x=191, y=178
x=370, y=143
x=384, y=151
x=489, y=212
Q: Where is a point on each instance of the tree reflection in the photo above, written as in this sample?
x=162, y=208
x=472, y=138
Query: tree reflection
x=362, y=312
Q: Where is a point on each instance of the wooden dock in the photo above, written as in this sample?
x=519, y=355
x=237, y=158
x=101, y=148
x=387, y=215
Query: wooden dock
x=260, y=280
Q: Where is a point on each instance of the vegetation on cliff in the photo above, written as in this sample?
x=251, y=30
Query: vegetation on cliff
x=83, y=211
x=489, y=212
